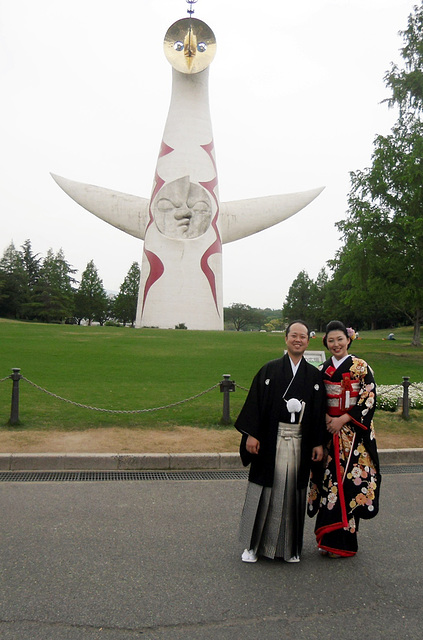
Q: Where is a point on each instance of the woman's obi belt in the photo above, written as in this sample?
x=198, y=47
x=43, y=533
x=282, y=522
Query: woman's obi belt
x=341, y=396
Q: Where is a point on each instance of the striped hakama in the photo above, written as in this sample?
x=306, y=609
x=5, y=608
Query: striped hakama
x=272, y=519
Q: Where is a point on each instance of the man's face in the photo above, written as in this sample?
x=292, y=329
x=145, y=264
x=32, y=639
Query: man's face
x=297, y=339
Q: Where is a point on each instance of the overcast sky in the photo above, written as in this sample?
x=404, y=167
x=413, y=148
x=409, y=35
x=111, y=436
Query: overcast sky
x=295, y=93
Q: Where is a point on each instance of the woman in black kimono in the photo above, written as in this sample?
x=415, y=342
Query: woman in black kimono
x=349, y=487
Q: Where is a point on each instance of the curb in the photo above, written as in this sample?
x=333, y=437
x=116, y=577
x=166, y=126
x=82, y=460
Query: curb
x=118, y=461
x=157, y=461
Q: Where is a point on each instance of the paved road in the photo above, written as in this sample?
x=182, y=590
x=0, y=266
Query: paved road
x=160, y=560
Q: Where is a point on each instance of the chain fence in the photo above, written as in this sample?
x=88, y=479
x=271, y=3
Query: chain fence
x=389, y=397
x=238, y=386
x=406, y=395
x=226, y=386
x=385, y=389
x=121, y=411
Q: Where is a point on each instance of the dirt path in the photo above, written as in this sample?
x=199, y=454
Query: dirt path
x=179, y=440
x=114, y=440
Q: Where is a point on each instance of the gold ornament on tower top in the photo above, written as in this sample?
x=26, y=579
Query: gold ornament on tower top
x=189, y=45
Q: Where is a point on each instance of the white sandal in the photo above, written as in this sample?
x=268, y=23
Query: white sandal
x=249, y=555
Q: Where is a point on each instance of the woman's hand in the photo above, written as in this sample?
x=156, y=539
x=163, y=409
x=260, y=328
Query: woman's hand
x=334, y=425
x=252, y=445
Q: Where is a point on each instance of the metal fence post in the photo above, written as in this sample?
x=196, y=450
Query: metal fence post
x=14, y=412
x=226, y=386
x=405, y=397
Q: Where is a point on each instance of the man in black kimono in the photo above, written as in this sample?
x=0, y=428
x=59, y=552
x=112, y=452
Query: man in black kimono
x=283, y=426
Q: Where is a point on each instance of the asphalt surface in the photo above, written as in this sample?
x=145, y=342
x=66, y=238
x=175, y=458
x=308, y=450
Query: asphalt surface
x=160, y=560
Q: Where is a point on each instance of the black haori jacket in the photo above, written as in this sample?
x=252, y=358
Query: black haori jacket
x=265, y=407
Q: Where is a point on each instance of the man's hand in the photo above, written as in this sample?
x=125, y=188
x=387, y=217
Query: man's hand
x=252, y=445
x=317, y=453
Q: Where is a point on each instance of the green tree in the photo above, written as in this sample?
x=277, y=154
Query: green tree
x=31, y=264
x=354, y=294
x=318, y=314
x=258, y=318
x=54, y=294
x=125, y=303
x=12, y=283
x=274, y=324
x=407, y=84
x=383, y=232
x=297, y=303
x=241, y=316
x=91, y=300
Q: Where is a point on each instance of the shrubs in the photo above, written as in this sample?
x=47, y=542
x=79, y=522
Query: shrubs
x=387, y=396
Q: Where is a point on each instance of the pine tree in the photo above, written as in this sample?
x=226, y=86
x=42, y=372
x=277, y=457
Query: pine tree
x=54, y=294
x=12, y=283
x=31, y=264
x=125, y=303
x=297, y=305
x=91, y=301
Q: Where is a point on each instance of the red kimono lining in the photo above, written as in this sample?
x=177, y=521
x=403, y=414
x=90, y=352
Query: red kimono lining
x=341, y=497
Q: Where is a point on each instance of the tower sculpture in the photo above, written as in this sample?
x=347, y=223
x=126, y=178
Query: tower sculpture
x=184, y=224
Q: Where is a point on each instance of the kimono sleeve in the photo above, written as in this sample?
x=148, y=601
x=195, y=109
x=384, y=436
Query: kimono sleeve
x=249, y=419
x=362, y=413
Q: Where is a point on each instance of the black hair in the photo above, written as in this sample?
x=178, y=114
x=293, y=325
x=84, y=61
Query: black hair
x=299, y=322
x=336, y=325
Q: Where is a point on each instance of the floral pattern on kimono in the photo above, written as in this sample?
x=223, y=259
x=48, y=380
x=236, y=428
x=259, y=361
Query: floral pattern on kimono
x=347, y=488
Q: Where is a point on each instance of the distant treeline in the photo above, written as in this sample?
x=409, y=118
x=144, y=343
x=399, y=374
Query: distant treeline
x=44, y=290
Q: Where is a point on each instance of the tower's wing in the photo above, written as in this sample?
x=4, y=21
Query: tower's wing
x=126, y=212
x=242, y=218
x=238, y=219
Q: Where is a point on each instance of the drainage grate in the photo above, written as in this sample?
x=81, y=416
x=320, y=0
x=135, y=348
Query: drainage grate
x=125, y=476
x=387, y=469
x=112, y=476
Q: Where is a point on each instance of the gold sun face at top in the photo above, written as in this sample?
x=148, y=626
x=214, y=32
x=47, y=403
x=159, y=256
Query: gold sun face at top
x=189, y=45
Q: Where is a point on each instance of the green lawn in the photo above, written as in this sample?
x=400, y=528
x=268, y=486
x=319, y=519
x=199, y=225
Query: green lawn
x=127, y=369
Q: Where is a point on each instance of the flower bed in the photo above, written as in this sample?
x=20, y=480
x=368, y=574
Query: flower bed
x=387, y=396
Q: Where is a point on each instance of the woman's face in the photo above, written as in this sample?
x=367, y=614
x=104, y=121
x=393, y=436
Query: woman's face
x=337, y=343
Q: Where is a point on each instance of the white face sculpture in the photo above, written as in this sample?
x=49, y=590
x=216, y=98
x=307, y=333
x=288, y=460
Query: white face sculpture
x=182, y=209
